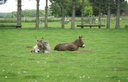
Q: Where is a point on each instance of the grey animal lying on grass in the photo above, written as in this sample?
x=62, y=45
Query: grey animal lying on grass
x=41, y=47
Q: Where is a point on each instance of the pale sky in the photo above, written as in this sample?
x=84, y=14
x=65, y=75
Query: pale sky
x=11, y=5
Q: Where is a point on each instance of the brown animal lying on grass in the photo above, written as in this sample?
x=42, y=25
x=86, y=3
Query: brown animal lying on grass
x=70, y=46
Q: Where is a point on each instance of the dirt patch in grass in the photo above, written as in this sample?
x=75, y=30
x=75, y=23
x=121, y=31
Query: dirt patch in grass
x=29, y=47
x=82, y=51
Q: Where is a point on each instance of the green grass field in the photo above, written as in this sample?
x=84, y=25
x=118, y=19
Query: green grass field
x=106, y=59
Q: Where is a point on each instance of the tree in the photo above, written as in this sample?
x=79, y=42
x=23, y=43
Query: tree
x=19, y=11
x=73, y=14
x=82, y=13
x=108, y=14
x=62, y=14
x=55, y=8
x=58, y=7
x=117, y=26
x=46, y=15
x=37, y=14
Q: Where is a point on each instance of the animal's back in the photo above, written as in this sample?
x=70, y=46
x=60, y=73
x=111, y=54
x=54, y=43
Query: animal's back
x=58, y=47
x=47, y=47
x=65, y=47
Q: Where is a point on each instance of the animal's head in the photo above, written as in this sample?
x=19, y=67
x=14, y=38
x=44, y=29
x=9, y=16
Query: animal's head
x=36, y=49
x=40, y=44
x=80, y=42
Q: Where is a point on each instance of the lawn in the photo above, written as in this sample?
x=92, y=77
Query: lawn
x=105, y=59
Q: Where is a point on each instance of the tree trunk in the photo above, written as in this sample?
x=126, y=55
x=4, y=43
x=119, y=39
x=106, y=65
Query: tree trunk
x=118, y=15
x=73, y=14
x=19, y=14
x=46, y=15
x=82, y=14
x=108, y=15
x=62, y=13
x=37, y=14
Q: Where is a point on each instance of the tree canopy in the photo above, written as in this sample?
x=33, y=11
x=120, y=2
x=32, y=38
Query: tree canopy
x=91, y=7
x=56, y=7
x=103, y=4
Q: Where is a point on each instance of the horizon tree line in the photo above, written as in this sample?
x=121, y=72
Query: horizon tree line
x=74, y=6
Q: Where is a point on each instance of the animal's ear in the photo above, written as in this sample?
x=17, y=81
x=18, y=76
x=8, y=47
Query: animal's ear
x=80, y=37
x=42, y=39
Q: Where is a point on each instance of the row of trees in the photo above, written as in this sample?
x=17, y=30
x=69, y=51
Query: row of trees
x=19, y=14
x=77, y=7
x=57, y=5
x=91, y=7
x=103, y=6
x=109, y=7
x=88, y=7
